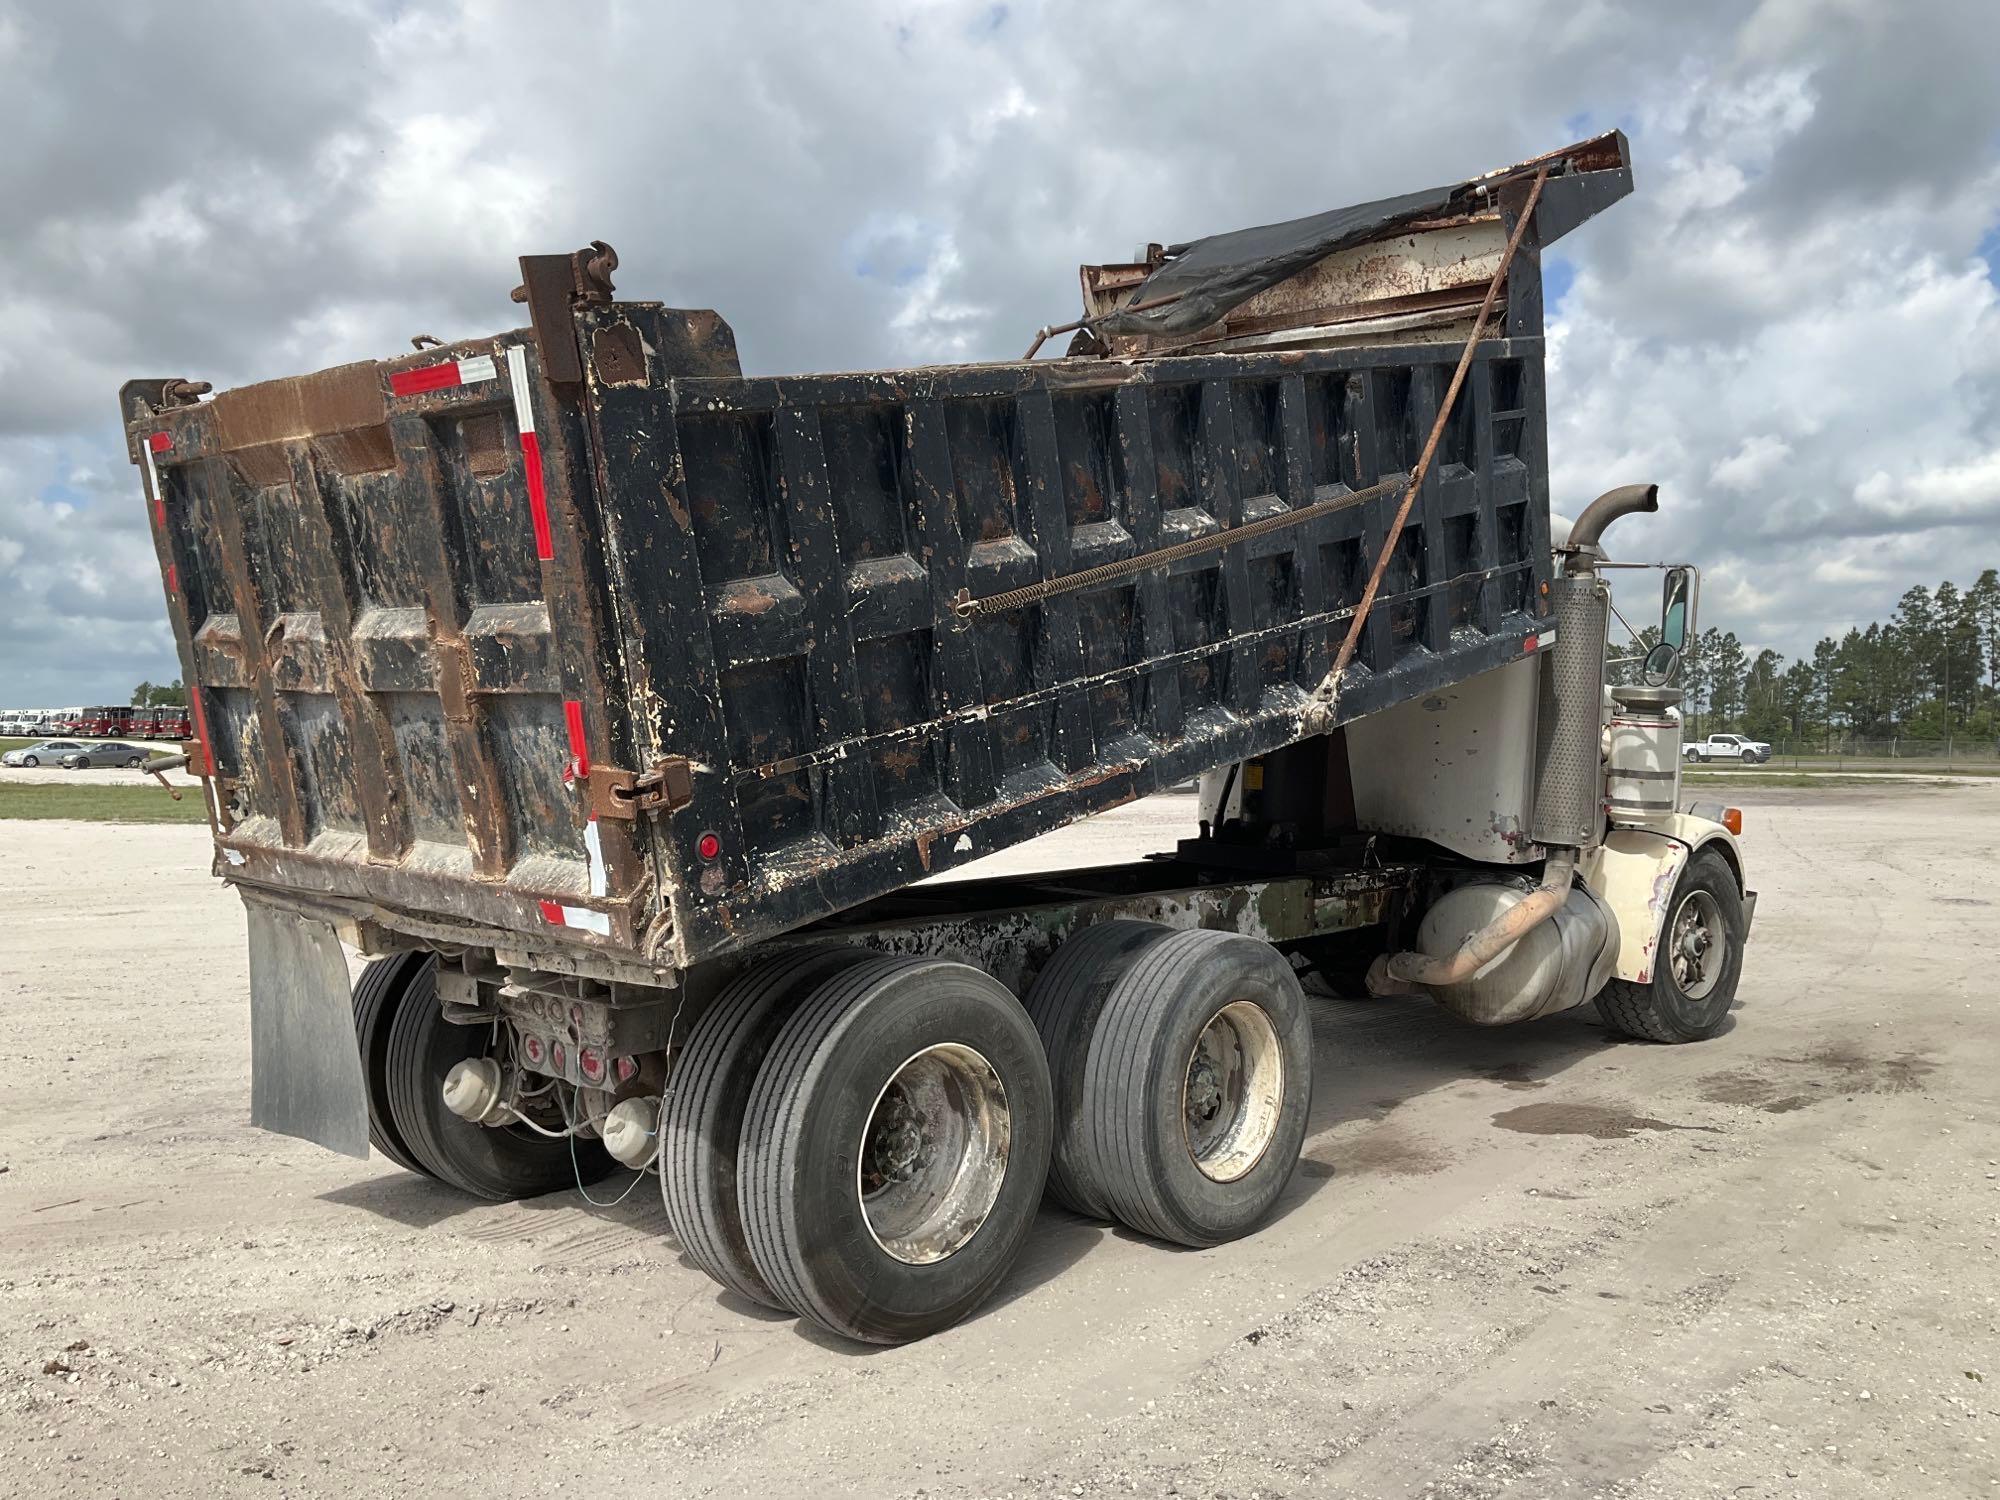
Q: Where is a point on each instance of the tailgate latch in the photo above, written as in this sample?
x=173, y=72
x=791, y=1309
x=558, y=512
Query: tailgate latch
x=666, y=786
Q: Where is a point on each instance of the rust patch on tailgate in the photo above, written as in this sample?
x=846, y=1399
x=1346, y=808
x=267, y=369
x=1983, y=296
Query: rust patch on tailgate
x=343, y=399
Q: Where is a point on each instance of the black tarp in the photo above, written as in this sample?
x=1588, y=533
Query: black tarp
x=1214, y=275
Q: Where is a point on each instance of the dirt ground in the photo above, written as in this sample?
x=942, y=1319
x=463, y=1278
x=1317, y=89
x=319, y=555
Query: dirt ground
x=1538, y=1261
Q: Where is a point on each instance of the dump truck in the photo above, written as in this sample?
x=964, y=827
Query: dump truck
x=620, y=709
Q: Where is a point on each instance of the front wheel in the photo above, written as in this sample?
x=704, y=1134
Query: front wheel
x=1696, y=969
x=30, y=760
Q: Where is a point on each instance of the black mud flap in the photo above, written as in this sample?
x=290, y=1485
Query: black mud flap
x=305, y=1070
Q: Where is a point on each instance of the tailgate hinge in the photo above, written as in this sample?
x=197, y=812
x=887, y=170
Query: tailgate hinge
x=668, y=785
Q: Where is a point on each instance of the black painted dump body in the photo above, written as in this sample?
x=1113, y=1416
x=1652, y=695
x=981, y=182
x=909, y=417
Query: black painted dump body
x=680, y=669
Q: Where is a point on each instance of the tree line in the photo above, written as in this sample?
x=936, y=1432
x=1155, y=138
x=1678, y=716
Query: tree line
x=160, y=695
x=1929, y=672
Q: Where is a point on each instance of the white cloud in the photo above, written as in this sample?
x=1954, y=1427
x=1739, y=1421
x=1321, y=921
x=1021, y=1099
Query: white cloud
x=1787, y=325
x=1747, y=469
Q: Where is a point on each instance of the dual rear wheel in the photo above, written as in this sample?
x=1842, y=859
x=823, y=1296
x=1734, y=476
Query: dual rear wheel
x=864, y=1141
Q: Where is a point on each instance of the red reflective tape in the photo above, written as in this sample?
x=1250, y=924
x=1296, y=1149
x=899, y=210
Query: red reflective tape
x=538, y=499
x=573, y=715
x=160, y=514
x=201, y=731
x=160, y=442
x=173, y=579
x=424, y=378
x=552, y=912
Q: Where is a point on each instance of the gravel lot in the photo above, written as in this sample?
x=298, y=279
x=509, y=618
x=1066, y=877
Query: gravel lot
x=1537, y=1261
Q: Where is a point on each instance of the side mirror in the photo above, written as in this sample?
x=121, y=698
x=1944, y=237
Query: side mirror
x=1660, y=665
x=1677, y=598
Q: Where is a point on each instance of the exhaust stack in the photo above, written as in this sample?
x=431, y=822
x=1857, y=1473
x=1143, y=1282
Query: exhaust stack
x=1569, y=762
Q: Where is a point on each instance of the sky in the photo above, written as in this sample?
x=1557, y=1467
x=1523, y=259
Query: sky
x=1791, y=326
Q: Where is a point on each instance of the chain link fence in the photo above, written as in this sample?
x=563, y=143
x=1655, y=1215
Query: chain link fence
x=1900, y=752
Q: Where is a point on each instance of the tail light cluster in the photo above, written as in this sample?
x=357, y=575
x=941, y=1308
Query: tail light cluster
x=588, y=1042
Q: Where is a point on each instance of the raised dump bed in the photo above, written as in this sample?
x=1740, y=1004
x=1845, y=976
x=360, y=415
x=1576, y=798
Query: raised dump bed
x=575, y=642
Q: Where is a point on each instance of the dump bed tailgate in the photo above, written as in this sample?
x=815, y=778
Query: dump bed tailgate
x=377, y=577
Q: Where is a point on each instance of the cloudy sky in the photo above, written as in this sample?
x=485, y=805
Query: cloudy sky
x=1791, y=325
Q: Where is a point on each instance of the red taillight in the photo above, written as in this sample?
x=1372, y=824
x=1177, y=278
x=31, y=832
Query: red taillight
x=533, y=1047
x=558, y=1058
x=591, y=1063
x=708, y=846
x=627, y=1069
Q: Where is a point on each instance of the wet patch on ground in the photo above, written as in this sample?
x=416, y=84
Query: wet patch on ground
x=1840, y=1071
x=1516, y=1075
x=1601, y=1122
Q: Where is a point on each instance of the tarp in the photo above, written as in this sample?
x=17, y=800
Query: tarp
x=1214, y=275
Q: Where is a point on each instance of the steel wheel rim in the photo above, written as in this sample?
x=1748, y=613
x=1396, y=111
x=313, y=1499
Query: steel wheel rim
x=1698, y=945
x=1233, y=1092
x=933, y=1154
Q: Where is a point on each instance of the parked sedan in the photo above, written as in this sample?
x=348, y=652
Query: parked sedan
x=47, y=753
x=109, y=753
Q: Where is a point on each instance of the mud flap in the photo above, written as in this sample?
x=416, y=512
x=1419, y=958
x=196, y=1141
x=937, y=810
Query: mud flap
x=305, y=1070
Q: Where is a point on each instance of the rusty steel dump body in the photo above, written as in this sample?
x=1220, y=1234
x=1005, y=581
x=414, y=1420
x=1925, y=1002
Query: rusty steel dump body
x=575, y=642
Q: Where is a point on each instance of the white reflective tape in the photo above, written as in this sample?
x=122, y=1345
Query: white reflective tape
x=583, y=917
x=1546, y=639
x=235, y=856
x=152, y=472
x=517, y=376
x=593, y=848
x=479, y=367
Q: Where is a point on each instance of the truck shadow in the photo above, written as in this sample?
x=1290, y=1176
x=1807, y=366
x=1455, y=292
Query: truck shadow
x=1370, y=1059
x=1373, y=1057
x=419, y=1202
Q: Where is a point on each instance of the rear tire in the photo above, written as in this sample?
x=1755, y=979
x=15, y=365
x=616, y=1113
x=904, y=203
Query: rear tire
x=887, y=1214
x=1197, y=1087
x=495, y=1162
x=1689, y=996
x=378, y=996
x=1065, y=1002
x=709, y=1090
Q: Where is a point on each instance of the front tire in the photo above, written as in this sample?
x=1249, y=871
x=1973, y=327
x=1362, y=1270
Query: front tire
x=1698, y=964
x=895, y=1148
x=30, y=760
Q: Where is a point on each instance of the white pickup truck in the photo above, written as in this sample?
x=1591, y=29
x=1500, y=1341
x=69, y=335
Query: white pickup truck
x=1737, y=747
